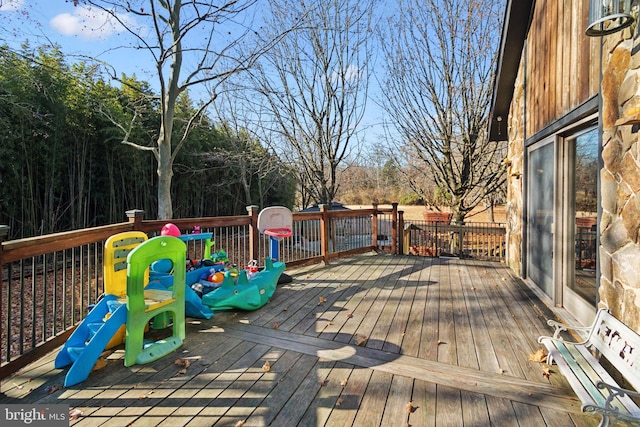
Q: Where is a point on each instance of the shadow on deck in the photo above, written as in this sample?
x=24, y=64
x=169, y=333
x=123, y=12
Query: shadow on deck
x=371, y=340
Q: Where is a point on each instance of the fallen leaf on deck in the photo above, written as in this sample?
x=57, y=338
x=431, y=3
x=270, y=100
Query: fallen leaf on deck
x=439, y=343
x=343, y=383
x=349, y=315
x=185, y=363
x=339, y=401
x=276, y=325
x=53, y=388
x=409, y=407
x=321, y=300
x=539, y=356
x=100, y=363
x=360, y=340
x=285, y=309
x=75, y=414
x=546, y=372
x=240, y=423
x=267, y=366
x=19, y=387
x=323, y=382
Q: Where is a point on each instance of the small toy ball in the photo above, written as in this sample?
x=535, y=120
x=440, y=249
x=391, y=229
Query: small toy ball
x=218, y=277
x=170, y=230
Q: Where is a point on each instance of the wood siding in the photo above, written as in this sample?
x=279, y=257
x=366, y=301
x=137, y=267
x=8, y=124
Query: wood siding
x=562, y=63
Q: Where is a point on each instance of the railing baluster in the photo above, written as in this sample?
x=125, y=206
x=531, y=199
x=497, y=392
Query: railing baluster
x=45, y=296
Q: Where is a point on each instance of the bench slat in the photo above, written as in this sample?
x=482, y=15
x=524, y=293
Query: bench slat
x=581, y=383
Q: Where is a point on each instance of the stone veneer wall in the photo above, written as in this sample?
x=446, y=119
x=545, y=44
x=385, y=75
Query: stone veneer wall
x=515, y=162
x=620, y=177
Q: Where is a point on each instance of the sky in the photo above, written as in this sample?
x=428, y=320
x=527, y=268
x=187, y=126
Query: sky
x=84, y=33
x=78, y=30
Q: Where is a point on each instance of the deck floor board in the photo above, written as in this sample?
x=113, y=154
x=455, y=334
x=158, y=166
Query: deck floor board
x=447, y=344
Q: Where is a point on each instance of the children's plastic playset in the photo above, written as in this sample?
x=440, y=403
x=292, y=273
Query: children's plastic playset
x=151, y=284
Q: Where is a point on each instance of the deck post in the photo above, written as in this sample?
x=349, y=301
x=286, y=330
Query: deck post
x=135, y=217
x=254, y=248
x=394, y=228
x=374, y=225
x=324, y=233
x=398, y=230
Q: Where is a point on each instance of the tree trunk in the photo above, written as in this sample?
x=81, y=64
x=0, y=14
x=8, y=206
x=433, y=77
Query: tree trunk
x=165, y=174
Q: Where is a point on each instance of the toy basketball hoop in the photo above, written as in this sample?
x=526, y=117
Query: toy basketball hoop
x=275, y=222
x=278, y=233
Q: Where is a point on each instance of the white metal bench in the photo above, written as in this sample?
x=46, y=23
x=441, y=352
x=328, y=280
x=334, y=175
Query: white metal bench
x=579, y=362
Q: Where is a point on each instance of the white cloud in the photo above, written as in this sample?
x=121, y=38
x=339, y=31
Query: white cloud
x=11, y=5
x=350, y=75
x=89, y=23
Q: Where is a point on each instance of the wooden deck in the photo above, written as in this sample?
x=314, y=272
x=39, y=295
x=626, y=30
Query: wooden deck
x=372, y=340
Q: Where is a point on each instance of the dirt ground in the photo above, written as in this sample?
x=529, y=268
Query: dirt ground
x=480, y=214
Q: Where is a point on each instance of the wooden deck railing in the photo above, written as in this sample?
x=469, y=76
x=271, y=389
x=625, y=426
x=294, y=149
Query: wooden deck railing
x=485, y=241
x=49, y=282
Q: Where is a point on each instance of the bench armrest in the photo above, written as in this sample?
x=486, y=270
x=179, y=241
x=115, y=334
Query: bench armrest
x=561, y=327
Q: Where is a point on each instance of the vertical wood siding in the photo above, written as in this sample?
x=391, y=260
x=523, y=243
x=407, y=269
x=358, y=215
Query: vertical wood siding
x=563, y=64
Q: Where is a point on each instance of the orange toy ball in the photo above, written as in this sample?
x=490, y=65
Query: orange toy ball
x=218, y=277
x=170, y=230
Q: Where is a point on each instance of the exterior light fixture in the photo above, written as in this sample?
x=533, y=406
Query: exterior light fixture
x=608, y=16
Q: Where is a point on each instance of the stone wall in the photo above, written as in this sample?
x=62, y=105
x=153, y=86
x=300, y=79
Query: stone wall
x=515, y=169
x=620, y=178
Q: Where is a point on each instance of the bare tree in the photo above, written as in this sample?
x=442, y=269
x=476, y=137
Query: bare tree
x=315, y=81
x=191, y=44
x=440, y=57
x=249, y=155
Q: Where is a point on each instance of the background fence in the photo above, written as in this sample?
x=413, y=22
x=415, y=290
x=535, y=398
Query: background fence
x=485, y=241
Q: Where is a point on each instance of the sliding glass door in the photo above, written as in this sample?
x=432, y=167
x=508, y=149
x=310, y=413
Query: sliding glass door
x=540, y=215
x=561, y=220
x=581, y=260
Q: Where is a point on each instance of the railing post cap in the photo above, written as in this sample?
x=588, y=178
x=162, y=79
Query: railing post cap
x=4, y=230
x=252, y=208
x=323, y=206
x=135, y=213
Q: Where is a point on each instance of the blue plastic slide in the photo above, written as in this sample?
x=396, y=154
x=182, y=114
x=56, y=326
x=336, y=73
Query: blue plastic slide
x=90, y=338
